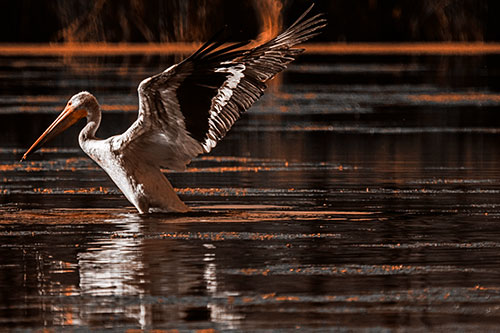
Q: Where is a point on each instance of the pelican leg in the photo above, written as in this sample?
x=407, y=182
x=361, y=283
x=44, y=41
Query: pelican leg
x=165, y=197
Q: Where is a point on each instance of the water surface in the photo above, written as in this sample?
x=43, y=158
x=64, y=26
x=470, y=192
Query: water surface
x=362, y=192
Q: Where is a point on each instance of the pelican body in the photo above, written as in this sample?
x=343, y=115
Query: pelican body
x=184, y=111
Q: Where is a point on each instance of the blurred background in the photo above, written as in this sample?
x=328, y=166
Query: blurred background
x=194, y=20
x=361, y=192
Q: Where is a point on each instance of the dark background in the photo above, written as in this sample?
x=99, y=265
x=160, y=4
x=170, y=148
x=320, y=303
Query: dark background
x=37, y=21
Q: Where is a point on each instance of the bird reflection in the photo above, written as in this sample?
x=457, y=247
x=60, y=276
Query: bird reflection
x=221, y=313
x=110, y=267
x=138, y=277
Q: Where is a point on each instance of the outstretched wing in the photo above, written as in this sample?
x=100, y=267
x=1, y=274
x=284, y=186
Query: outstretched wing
x=187, y=109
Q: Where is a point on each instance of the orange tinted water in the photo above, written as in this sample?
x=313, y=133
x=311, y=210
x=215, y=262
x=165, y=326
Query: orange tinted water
x=363, y=193
x=92, y=49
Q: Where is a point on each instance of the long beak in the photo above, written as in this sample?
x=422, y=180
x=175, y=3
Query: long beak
x=68, y=117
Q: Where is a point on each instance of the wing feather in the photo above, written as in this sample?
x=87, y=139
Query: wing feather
x=187, y=109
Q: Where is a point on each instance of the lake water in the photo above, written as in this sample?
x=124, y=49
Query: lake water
x=362, y=192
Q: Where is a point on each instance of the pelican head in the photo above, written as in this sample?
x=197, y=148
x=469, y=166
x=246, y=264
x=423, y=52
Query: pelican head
x=76, y=109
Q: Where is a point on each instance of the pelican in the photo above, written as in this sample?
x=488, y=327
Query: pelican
x=184, y=111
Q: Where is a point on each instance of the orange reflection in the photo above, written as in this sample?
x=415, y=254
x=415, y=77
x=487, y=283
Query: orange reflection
x=287, y=298
x=121, y=107
x=91, y=190
x=227, y=169
x=446, y=48
x=456, y=97
x=55, y=216
x=181, y=48
x=18, y=166
x=41, y=98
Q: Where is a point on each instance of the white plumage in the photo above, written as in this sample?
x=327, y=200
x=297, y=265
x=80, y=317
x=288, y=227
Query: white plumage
x=184, y=111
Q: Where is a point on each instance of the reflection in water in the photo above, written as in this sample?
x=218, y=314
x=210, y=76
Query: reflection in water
x=219, y=312
x=169, y=271
x=112, y=267
x=361, y=195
